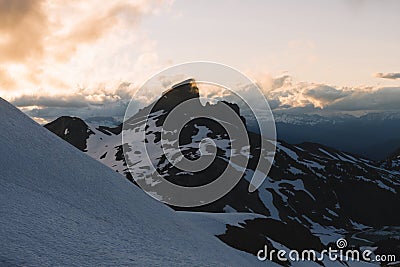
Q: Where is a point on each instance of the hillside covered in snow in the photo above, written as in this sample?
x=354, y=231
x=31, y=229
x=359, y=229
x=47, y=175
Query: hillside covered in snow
x=59, y=207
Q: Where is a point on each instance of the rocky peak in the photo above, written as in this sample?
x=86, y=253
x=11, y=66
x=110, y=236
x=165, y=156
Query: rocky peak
x=179, y=93
x=72, y=129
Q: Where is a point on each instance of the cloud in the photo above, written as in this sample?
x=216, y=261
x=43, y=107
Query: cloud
x=95, y=25
x=88, y=102
x=5, y=80
x=31, y=28
x=114, y=108
x=23, y=28
x=376, y=99
x=57, y=45
x=290, y=96
x=85, y=97
x=48, y=114
x=393, y=75
x=280, y=81
x=60, y=101
x=322, y=95
x=318, y=97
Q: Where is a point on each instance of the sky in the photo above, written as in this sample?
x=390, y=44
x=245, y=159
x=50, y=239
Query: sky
x=85, y=59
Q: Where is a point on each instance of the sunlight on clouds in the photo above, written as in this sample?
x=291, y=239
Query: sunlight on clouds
x=54, y=47
x=5, y=79
x=61, y=57
x=40, y=120
x=211, y=91
x=23, y=27
x=288, y=94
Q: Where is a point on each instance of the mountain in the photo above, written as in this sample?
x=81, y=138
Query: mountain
x=312, y=196
x=374, y=135
x=105, y=121
x=59, y=207
x=393, y=162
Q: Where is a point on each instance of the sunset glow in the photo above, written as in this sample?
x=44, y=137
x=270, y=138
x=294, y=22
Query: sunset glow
x=64, y=53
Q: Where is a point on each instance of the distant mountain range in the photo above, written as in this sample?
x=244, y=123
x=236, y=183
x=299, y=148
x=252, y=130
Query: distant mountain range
x=374, y=135
x=313, y=194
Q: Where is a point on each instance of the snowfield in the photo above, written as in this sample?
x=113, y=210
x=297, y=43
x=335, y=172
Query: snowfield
x=59, y=207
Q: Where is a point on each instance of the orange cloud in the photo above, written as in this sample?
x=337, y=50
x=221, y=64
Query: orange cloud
x=94, y=26
x=60, y=45
x=5, y=80
x=23, y=26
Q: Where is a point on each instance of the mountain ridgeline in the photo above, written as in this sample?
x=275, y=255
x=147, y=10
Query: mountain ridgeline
x=312, y=196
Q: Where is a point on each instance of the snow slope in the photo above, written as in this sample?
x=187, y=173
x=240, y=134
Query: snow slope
x=60, y=207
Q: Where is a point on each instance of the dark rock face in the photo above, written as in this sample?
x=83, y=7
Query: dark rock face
x=71, y=129
x=312, y=195
x=393, y=162
x=253, y=234
x=177, y=94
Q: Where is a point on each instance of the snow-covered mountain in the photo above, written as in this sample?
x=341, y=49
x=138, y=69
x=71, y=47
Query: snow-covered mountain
x=374, y=135
x=312, y=196
x=59, y=207
x=105, y=121
x=296, y=118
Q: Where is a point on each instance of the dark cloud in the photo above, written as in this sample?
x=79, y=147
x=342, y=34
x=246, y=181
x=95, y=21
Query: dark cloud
x=280, y=81
x=84, y=98
x=325, y=93
x=116, y=110
x=103, y=102
x=50, y=101
x=392, y=76
x=384, y=99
